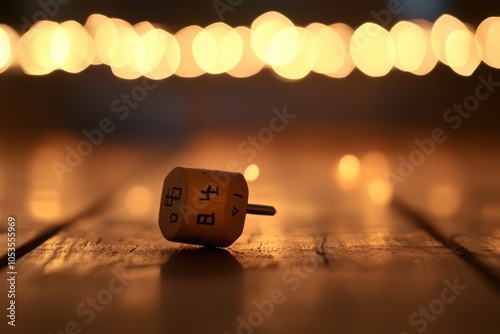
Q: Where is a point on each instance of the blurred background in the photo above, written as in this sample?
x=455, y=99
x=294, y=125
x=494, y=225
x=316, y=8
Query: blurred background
x=354, y=110
x=396, y=103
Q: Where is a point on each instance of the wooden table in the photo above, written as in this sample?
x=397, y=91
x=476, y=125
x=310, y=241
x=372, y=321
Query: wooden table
x=330, y=261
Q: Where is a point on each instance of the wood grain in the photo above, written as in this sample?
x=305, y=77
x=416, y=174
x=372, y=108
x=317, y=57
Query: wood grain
x=329, y=261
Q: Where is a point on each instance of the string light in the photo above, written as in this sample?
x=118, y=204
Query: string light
x=444, y=26
x=217, y=48
x=274, y=38
x=331, y=52
x=461, y=53
x=249, y=63
x=306, y=53
x=8, y=40
x=429, y=60
x=411, y=45
x=188, y=67
x=345, y=32
x=272, y=41
x=487, y=39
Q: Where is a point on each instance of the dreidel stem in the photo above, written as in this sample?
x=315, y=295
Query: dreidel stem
x=259, y=209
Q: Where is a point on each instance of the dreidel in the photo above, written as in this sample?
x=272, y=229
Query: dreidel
x=205, y=207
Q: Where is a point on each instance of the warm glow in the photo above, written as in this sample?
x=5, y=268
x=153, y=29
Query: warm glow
x=430, y=60
x=36, y=47
x=443, y=27
x=157, y=55
x=126, y=72
x=411, y=45
x=380, y=191
x=148, y=49
x=138, y=201
x=217, y=48
x=59, y=45
x=91, y=27
x=374, y=164
x=373, y=50
x=142, y=28
x=80, y=51
x=444, y=201
x=8, y=40
x=115, y=41
x=345, y=32
x=251, y=172
x=126, y=41
x=105, y=35
x=347, y=171
x=188, y=68
x=490, y=213
x=332, y=50
x=249, y=63
x=488, y=41
x=121, y=57
x=307, y=52
x=274, y=39
x=461, y=52
x=349, y=167
x=44, y=200
x=45, y=204
x=284, y=46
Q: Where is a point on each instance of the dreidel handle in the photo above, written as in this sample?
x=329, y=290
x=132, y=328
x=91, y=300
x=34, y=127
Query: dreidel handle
x=259, y=209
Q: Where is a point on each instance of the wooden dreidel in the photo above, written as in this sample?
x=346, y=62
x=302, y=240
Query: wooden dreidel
x=205, y=207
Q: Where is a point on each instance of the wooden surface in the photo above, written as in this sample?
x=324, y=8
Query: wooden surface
x=332, y=260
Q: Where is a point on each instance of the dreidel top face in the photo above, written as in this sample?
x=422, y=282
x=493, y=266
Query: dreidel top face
x=203, y=207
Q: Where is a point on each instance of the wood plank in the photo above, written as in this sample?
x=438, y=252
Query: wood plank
x=341, y=263
x=459, y=199
x=333, y=280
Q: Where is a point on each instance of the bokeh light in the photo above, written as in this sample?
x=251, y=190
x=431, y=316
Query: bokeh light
x=411, y=45
x=59, y=45
x=345, y=32
x=444, y=201
x=430, y=60
x=274, y=38
x=252, y=172
x=121, y=55
x=374, y=165
x=91, y=26
x=331, y=55
x=138, y=201
x=157, y=53
x=44, y=204
x=461, y=53
x=306, y=54
x=123, y=45
x=80, y=48
x=373, y=50
x=105, y=35
x=42, y=48
x=44, y=201
x=347, y=171
x=380, y=191
x=273, y=41
x=217, y=48
x=488, y=41
x=188, y=67
x=441, y=30
x=8, y=41
x=249, y=63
